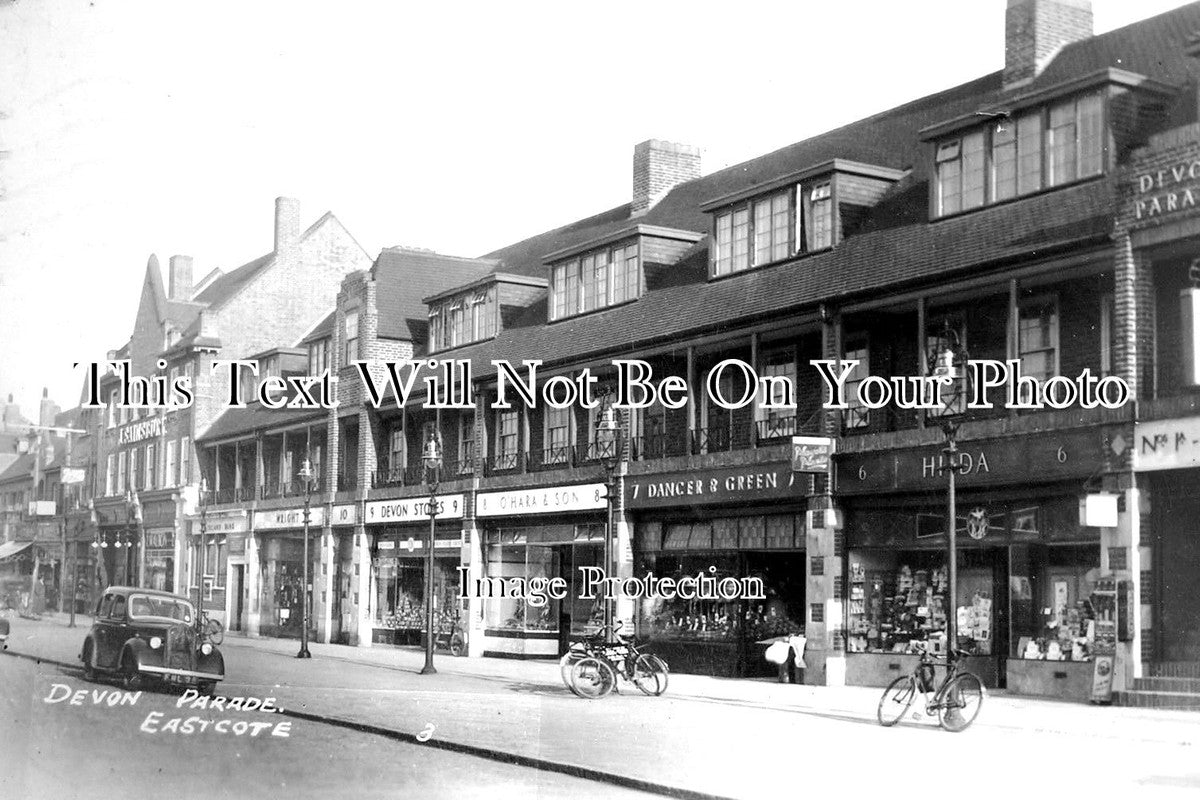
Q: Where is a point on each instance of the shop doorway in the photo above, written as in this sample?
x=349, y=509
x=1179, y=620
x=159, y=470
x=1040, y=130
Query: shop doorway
x=780, y=614
x=1177, y=562
x=577, y=617
x=239, y=594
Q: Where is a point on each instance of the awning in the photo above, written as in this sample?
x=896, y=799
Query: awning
x=10, y=549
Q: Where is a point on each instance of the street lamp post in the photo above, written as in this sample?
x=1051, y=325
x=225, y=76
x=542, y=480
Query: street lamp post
x=949, y=362
x=306, y=475
x=203, y=548
x=433, y=467
x=608, y=446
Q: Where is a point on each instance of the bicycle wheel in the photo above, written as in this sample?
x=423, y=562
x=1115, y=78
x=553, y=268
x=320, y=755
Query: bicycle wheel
x=458, y=644
x=592, y=678
x=569, y=659
x=214, y=631
x=961, y=700
x=650, y=674
x=897, y=697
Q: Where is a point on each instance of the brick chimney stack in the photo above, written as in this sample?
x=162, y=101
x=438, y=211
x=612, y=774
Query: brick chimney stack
x=180, y=278
x=1034, y=32
x=658, y=167
x=48, y=410
x=287, y=223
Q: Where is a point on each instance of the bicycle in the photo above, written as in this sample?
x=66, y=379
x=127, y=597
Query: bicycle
x=210, y=628
x=956, y=700
x=591, y=666
x=452, y=639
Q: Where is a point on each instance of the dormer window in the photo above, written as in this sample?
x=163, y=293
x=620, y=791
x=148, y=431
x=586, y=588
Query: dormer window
x=599, y=279
x=821, y=208
x=462, y=319
x=1041, y=148
x=768, y=222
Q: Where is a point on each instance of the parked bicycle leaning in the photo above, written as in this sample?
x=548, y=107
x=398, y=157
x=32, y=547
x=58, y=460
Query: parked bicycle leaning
x=591, y=666
x=956, y=700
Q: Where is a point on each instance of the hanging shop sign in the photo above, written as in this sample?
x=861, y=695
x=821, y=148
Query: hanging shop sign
x=547, y=500
x=288, y=518
x=393, y=548
x=713, y=487
x=71, y=475
x=413, y=509
x=137, y=431
x=812, y=454
x=985, y=462
x=1166, y=444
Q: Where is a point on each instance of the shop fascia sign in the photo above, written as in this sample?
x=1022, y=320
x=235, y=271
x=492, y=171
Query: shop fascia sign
x=412, y=544
x=1063, y=454
x=288, y=518
x=227, y=522
x=160, y=539
x=548, y=500
x=144, y=429
x=413, y=509
x=1166, y=444
x=706, y=487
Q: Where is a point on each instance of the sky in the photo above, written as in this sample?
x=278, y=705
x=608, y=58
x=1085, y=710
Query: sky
x=163, y=127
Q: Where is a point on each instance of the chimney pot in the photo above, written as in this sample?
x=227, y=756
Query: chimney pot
x=1034, y=32
x=180, y=278
x=658, y=167
x=287, y=223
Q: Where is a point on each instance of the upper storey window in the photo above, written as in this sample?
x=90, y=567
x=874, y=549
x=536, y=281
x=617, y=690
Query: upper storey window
x=772, y=227
x=595, y=280
x=462, y=319
x=1041, y=148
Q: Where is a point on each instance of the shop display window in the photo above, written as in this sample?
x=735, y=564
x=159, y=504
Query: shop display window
x=554, y=552
x=703, y=620
x=1050, y=590
x=897, y=602
x=400, y=592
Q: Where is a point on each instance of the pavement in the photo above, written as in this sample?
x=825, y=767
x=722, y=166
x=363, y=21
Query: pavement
x=706, y=737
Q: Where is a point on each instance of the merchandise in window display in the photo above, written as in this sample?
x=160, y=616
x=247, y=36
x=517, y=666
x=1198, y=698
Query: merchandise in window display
x=1067, y=635
x=904, y=611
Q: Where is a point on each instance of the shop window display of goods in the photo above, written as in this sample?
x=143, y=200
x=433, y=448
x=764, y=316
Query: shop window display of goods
x=904, y=611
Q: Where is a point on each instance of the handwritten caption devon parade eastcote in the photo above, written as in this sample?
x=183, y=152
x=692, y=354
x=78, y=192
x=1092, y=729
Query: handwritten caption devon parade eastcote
x=730, y=384
x=159, y=722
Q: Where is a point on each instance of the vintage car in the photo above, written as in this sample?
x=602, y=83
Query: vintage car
x=142, y=634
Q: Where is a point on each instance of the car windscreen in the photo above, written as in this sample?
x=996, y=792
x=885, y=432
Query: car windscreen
x=141, y=605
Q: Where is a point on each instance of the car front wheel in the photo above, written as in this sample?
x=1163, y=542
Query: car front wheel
x=89, y=669
x=206, y=688
x=131, y=679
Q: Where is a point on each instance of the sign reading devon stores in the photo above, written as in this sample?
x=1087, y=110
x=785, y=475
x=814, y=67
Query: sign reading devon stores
x=713, y=486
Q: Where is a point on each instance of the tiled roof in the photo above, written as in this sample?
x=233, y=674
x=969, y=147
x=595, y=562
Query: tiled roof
x=1154, y=47
x=404, y=275
x=895, y=245
x=903, y=255
x=237, y=421
x=225, y=286
x=323, y=329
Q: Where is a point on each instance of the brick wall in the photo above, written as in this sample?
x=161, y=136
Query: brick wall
x=658, y=167
x=1034, y=30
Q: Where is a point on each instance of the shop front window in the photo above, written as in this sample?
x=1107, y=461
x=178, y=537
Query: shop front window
x=399, y=581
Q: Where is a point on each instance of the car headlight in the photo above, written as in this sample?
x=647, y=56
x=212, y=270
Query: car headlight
x=155, y=642
x=206, y=648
